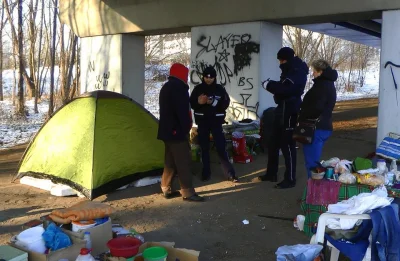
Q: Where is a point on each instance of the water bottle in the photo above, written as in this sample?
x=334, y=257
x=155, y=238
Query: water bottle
x=88, y=240
x=393, y=166
x=85, y=255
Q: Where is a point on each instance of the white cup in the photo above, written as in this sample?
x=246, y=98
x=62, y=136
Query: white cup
x=300, y=222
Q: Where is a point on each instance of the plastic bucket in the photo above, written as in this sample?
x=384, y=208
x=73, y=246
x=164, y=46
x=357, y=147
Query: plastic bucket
x=82, y=225
x=32, y=240
x=155, y=254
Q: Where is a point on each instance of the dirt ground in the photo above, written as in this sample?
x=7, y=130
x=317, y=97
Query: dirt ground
x=215, y=227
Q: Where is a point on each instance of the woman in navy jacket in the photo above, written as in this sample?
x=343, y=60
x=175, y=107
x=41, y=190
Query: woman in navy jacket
x=318, y=103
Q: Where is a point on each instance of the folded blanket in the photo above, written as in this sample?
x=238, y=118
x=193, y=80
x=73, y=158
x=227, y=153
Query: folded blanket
x=85, y=210
x=322, y=192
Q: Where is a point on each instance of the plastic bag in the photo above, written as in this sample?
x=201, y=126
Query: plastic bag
x=371, y=180
x=298, y=252
x=55, y=239
x=344, y=166
x=330, y=163
x=347, y=178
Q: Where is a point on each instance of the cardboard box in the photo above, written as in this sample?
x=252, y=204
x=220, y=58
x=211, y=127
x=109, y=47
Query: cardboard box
x=174, y=254
x=99, y=236
x=70, y=253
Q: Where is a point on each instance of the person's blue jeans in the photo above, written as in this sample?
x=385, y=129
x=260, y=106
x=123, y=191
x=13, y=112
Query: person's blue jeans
x=312, y=152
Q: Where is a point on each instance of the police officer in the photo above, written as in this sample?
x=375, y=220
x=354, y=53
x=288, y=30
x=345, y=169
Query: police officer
x=209, y=101
x=287, y=95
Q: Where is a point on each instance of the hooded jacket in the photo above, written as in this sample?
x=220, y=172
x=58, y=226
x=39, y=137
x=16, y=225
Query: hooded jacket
x=320, y=100
x=175, y=115
x=288, y=91
x=215, y=111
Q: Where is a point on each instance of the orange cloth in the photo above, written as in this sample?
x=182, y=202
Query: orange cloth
x=85, y=210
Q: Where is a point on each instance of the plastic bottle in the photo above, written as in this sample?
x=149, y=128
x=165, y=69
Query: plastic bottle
x=88, y=241
x=381, y=165
x=85, y=255
x=136, y=235
x=393, y=166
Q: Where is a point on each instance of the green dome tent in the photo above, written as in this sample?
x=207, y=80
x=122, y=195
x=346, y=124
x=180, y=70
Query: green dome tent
x=95, y=144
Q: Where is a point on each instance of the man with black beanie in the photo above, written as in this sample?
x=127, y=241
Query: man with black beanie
x=209, y=101
x=287, y=95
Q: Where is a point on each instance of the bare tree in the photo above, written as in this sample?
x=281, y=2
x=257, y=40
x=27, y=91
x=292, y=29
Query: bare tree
x=38, y=76
x=2, y=24
x=334, y=51
x=20, y=104
x=16, y=38
x=66, y=65
x=53, y=60
x=305, y=43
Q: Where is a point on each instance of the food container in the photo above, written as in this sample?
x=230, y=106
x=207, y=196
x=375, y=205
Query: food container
x=82, y=225
x=317, y=173
x=155, y=254
x=329, y=173
x=124, y=246
x=31, y=239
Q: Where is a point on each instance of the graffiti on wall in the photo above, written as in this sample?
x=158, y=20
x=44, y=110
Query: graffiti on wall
x=101, y=81
x=229, y=54
x=391, y=64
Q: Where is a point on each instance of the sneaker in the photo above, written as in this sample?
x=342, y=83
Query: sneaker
x=271, y=178
x=194, y=198
x=285, y=184
x=234, y=179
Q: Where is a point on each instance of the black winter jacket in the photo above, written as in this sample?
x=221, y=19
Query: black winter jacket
x=320, y=100
x=175, y=115
x=288, y=91
x=214, y=112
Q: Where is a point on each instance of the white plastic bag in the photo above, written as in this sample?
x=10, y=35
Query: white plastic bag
x=298, y=252
x=347, y=178
x=344, y=166
x=330, y=163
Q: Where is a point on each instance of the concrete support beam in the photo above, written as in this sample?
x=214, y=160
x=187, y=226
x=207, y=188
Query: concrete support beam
x=243, y=55
x=101, y=17
x=114, y=63
x=389, y=81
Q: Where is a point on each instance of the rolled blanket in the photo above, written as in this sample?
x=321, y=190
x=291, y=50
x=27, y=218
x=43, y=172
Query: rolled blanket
x=85, y=210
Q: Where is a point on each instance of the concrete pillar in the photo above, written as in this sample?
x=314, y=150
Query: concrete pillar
x=114, y=63
x=243, y=55
x=389, y=81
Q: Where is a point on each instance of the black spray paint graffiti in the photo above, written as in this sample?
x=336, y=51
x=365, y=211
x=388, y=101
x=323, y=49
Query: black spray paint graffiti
x=231, y=54
x=101, y=79
x=242, y=110
x=237, y=47
x=394, y=79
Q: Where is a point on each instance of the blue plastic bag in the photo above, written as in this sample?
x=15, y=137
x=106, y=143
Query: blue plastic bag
x=55, y=239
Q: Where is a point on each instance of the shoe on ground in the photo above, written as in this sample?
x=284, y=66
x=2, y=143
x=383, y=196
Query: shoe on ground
x=271, y=178
x=233, y=179
x=205, y=178
x=194, y=198
x=174, y=194
x=285, y=185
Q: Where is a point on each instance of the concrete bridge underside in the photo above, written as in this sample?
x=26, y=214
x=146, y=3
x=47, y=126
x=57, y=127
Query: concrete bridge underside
x=103, y=17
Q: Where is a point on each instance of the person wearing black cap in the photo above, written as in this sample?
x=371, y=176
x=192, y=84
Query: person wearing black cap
x=209, y=101
x=287, y=95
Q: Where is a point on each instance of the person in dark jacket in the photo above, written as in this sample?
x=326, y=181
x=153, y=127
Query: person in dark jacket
x=209, y=101
x=287, y=95
x=174, y=127
x=318, y=103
